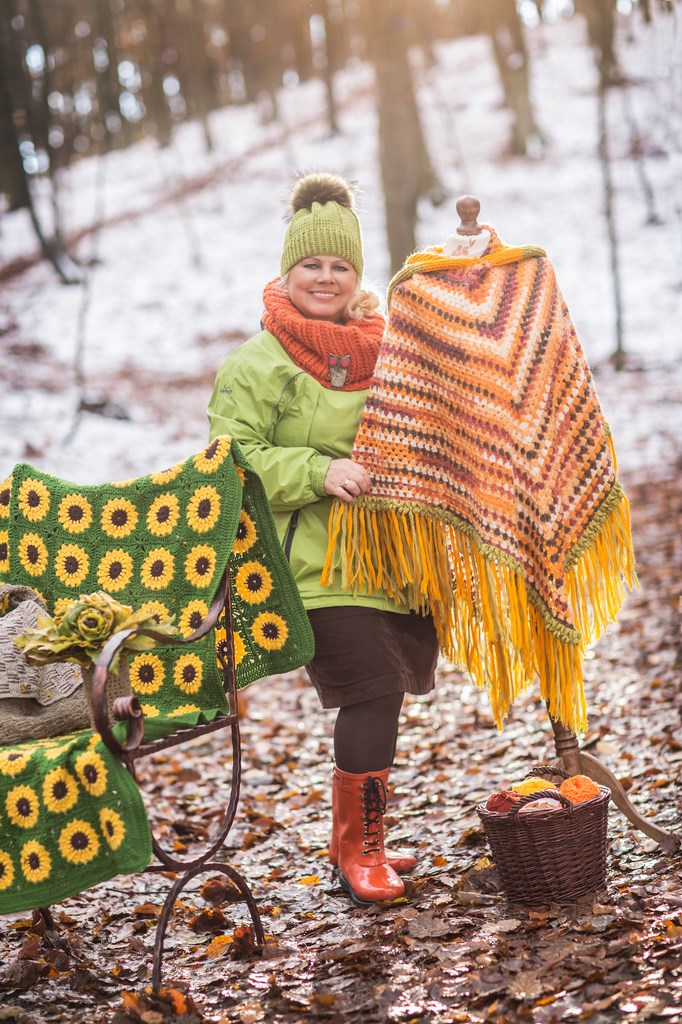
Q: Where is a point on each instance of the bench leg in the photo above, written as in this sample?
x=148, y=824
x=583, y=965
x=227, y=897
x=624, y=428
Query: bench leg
x=172, y=896
x=577, y=762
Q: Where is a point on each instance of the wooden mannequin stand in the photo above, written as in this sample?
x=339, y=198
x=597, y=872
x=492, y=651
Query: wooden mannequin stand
x=576, y=762
x=569, y=756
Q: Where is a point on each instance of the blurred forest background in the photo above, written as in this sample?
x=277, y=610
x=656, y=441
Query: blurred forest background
x=81, y=77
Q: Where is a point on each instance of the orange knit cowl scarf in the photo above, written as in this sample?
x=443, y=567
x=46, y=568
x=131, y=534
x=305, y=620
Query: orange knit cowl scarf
x=339, y=356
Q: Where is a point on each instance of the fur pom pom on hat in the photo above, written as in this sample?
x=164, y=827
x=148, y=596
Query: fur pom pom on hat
x=323, y=221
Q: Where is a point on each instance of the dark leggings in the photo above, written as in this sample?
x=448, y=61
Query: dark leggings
x=365, y=734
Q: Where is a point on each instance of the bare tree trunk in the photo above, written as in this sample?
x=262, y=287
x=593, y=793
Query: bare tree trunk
x=501, y=21
x=15, y=95
x=406, y=167
x=601, y=25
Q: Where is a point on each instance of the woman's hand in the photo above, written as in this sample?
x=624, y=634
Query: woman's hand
x=346, y=479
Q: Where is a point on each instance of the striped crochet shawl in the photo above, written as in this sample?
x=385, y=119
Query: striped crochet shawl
x=494, y=502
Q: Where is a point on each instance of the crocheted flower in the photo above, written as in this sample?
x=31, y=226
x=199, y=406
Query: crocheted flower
x=166, y=475
x=112, y=827
x=33, y=554
x=246, y=536
x=184, y=709
x=34, y=500
x=147, y=673
x=78, y=842
x=60, y=790
x=74, y=513
x=191, y=617
x=157, y=569
x=22, y=806
x=92, y=772
x=163, y=515
x=223, y=647
x=188, y=673
x=253, y=582
x=115, y=571
x=13, y=761
x=71, y=565
x=200, y=565
x=213, y=457
x=6, y=870
x=35, y=861
x=270, y=631
x=119, y=517
x=5, y=488
x=4, y=551
x=155, y=610
x=150, y=711
x=203, y=509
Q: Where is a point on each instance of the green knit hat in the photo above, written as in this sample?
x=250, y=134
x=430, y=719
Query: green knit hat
x=322, y=221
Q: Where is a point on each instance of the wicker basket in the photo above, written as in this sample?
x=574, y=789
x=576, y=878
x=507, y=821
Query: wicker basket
x=548, y=856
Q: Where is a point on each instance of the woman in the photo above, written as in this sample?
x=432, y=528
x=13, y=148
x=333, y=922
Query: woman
x=292, y=397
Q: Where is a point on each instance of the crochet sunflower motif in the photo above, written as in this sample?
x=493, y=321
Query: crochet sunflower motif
x=147, y=673
x=200, y=565
x=71, y=564
x=78, y=842
x=60, y=790
x=157, y=569
x=163, y=515
x=191, y=616
x=247, y=535
x=115, y=571
x=33, y=554
x=34, y=500
x=119, y=517
x=203, y=510
x=74, y=513
x=35, y=861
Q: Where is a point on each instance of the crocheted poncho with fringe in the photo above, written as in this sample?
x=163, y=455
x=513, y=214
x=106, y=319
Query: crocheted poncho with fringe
x=494, y=502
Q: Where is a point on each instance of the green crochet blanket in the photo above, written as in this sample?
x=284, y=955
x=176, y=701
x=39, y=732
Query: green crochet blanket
x=160, y=542
x=72, y=816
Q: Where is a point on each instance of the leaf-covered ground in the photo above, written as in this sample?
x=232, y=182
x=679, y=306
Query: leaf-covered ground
x=455, y=949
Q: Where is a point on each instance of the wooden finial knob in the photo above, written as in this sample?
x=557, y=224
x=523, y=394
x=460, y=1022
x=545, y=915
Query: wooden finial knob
x=468, y=208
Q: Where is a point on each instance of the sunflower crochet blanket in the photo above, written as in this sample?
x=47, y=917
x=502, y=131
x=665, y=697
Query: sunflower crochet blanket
x=494, y=502
x=71, y=814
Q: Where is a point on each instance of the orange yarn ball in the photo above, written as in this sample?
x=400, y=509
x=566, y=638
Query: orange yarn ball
x=579, y=788
x=532, y=785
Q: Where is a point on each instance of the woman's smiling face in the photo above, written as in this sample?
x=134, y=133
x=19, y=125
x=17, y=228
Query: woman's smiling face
x=322, y=286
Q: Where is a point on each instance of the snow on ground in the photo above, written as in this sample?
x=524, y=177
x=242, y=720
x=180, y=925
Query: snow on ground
x=178, y=270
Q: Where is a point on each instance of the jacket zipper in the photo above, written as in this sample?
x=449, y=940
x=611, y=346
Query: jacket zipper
x=289, y=539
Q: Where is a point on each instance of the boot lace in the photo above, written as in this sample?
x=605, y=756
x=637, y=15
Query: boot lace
x=374, y=805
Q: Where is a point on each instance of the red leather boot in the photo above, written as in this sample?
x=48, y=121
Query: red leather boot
x=399, y=861
x=364, y=871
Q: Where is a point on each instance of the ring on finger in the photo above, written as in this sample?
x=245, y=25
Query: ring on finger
x=346, y=483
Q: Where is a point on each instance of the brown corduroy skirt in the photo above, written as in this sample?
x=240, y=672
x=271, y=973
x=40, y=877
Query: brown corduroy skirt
x=362, y=653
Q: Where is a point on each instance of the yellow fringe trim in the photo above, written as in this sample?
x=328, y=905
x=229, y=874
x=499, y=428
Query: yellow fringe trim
x=489, y=622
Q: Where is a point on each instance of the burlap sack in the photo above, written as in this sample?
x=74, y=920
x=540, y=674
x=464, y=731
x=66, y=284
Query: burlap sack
x=35, y=701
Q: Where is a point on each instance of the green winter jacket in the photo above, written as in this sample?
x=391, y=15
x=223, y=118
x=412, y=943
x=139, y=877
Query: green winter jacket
x=290, y=428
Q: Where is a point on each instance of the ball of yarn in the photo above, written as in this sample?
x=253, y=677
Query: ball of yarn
x=532, y=785
x=543, y=803
x=579, y=788
x=501, y=802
